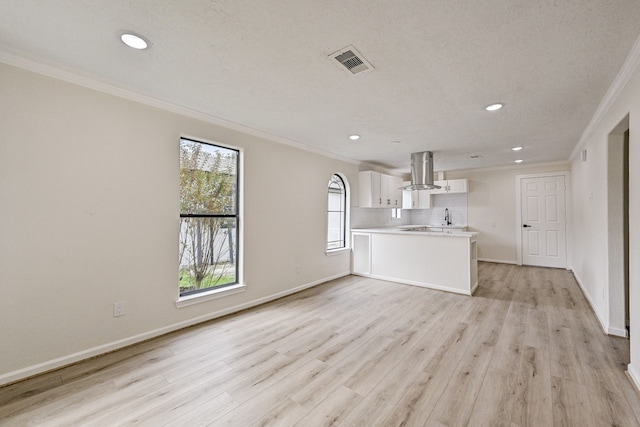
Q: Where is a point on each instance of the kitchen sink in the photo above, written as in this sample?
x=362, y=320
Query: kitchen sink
x=416, y=229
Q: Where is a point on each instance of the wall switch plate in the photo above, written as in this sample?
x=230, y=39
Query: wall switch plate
x=118, y=309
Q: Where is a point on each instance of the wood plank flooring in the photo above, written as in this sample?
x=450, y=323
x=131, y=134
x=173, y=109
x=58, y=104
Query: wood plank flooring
x=526, y=350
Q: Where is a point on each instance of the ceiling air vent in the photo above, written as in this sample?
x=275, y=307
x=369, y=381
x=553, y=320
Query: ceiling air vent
x=351, y=60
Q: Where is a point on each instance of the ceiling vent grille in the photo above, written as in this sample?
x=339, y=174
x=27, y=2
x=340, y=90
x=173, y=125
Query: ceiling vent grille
x=351, y=60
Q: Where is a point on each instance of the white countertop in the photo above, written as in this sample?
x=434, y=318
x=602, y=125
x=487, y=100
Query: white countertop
x=449, y=231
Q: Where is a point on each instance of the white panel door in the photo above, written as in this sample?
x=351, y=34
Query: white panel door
x=544, y=221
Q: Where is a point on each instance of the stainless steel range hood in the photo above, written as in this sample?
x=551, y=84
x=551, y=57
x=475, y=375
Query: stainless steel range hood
x=421, y=172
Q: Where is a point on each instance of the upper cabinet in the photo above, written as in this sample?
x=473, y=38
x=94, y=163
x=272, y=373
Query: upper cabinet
x=407, y=197
x=451, y=186
x=369, y=190
x=391, y=191
x=417, y=199
x=377, y=190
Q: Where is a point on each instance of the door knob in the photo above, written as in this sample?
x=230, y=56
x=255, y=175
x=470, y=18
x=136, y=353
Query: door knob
x=526, y=225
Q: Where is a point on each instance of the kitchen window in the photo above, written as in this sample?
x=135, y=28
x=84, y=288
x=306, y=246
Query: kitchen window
x=209, y=217
x=337, y=213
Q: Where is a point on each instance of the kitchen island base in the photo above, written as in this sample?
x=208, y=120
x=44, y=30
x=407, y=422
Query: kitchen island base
x=441, y=261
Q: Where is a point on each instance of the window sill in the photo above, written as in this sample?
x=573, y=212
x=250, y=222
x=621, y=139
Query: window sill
x=332, y=252
x=210, y=295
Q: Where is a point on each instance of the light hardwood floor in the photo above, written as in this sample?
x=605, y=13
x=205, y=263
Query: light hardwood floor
x=526, y=350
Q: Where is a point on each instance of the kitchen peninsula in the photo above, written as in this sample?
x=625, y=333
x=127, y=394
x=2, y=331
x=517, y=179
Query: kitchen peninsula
x=444, y=260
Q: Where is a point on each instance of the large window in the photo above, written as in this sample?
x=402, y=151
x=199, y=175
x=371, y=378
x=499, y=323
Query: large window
x=336, y=214
x=208, y=216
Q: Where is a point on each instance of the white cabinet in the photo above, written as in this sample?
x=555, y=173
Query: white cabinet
x=452, y=186
x=407, y=199
x=369, y=190
x=390, y=191
x=416, y=199
x=361, y=254
x=424, y=199
x=440, y=261
x=377, y=190
x=458, y=185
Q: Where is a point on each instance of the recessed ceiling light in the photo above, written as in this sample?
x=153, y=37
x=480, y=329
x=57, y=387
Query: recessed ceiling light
x=517, y=148
x=354, y=137
x=494, y=107
x=519, y=161
x=395, y=142
x=134, y=41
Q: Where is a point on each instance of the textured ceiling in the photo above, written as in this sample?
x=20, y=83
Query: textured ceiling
x=264, y=64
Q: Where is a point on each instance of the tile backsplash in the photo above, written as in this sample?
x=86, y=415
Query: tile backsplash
x=377, y=217
x=456, y=203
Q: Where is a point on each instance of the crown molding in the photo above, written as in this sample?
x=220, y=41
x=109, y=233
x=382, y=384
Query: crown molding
x=110, y=89
x=624, y=75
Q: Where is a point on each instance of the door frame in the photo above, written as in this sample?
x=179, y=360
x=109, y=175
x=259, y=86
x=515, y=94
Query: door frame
x=616, y=300
x=567, y=207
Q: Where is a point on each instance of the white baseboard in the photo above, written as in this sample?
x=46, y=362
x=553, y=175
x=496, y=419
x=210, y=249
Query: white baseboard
x=634, y=376
x=606, y=327
x=474, y=288
x=603, y=324
x=50, y=365
x=617, y=332
x=499, y=261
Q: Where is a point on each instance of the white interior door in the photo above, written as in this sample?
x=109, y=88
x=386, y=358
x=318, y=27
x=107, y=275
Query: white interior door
x=544, y=221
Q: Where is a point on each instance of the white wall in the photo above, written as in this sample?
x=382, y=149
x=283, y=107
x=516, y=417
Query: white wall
x=590, y=258
x=89, y=216
x=491, y=208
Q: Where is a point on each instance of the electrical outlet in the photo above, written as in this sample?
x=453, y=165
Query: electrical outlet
x=118, y=309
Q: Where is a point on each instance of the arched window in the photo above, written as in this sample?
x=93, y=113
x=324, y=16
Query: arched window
x=336, y=213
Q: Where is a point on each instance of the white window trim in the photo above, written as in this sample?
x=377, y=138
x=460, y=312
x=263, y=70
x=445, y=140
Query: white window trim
x=212, y=294
x=188, y=300
x=333, y=252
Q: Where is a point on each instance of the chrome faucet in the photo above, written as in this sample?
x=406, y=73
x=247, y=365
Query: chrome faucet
x=447, y=218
